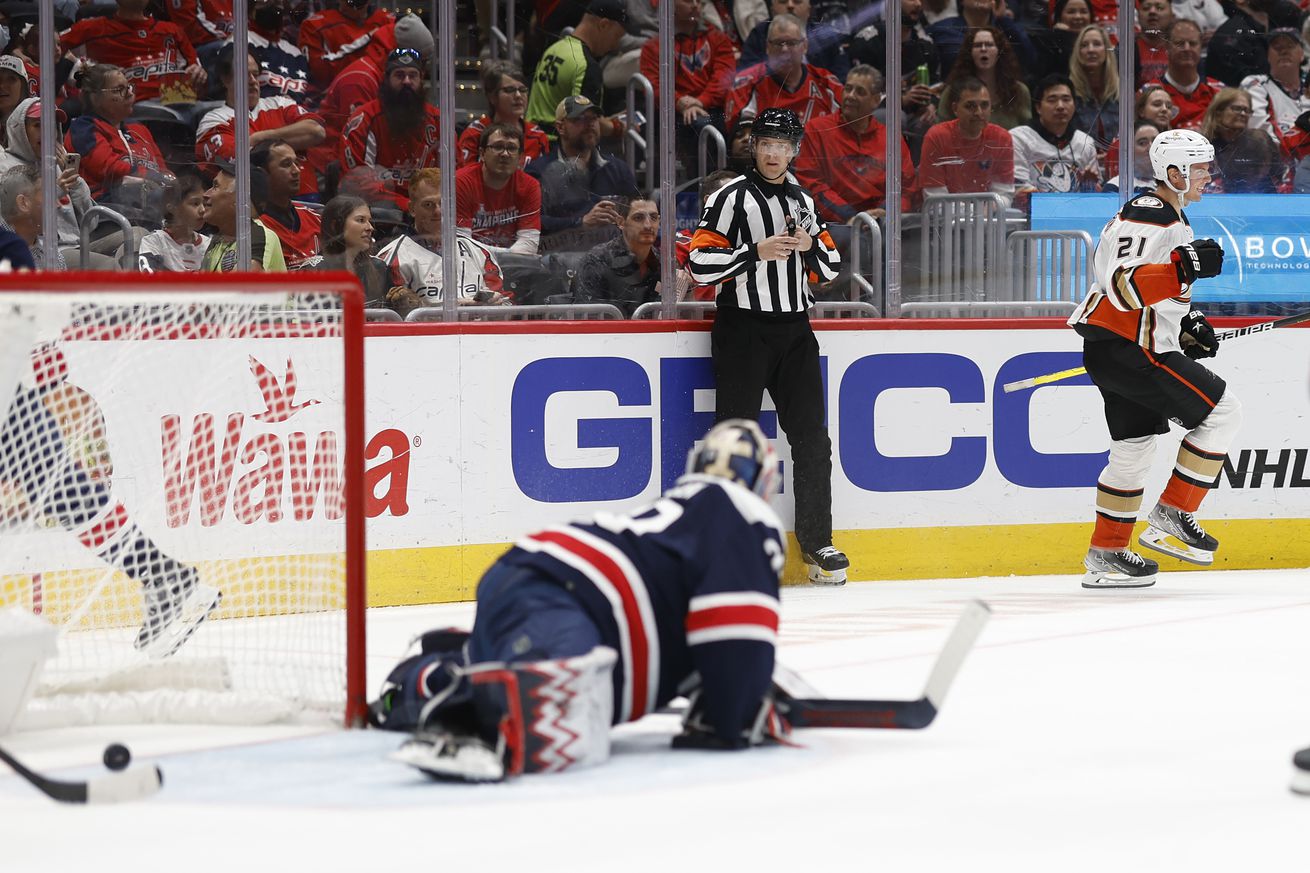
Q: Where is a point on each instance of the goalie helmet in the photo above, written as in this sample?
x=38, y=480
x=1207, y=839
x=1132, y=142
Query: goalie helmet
x=1181, y=149
x=739, y=451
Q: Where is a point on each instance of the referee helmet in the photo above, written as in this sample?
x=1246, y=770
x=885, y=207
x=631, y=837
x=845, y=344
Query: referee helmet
x=775, y=123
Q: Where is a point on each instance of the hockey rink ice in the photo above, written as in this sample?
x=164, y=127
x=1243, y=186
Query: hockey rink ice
x=1147, y=730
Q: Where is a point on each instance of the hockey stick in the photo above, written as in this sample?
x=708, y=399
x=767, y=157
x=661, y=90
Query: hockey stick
x=824, y=712
x=127, y=785
x=1235, y=333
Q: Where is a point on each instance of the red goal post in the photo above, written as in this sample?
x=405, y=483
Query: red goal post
x=167, y=434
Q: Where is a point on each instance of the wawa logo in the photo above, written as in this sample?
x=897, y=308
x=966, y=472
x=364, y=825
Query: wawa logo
x=274, y=473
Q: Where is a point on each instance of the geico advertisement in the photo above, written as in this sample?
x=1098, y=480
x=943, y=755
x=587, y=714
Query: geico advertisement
x=233, y=447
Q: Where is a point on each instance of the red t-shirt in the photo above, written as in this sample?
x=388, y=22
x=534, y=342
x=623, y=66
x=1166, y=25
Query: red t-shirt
x=154, y=54
x=300, y=244
x=966, y=166
x=496, y=217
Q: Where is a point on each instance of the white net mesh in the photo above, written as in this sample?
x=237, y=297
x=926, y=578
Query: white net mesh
x=165, y=449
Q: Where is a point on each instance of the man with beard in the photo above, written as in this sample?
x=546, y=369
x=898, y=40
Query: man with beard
x=284, y=71
x=1190, y=91
x=626, y=270
x=389, y=138
x=1238, y=47
x=297, y=226
x=580, y=188
x=271, y=118
x=785, y=80
x=333, y=38
x=825, y=45
x=1050, y=154
x=155, y=56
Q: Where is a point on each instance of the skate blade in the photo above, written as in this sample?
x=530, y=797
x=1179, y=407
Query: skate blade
x=1300, y=782
x=829, y=578
x=1160, y=541
x=1096, y=580
x=199, y=604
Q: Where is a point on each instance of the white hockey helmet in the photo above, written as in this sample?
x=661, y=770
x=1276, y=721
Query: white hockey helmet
x=736, y=449
x=1181, y=149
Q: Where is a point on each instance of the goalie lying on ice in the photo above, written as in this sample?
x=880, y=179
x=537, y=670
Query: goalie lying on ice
x=596, y=623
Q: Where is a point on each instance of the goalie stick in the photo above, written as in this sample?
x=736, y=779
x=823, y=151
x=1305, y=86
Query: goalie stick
x=816, y=712
x=1235, y=333
x=127, y=785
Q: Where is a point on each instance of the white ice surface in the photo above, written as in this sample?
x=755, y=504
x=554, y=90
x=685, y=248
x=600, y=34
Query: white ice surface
x=1102, y=731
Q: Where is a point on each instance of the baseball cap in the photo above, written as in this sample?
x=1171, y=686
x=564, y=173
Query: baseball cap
x=412, y=33
x=1289, y=32
x=574, y=106
x=614, y=10
x=12, y=64
x=404, y=57
x=34, y=111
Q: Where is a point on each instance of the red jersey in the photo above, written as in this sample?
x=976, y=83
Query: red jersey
x=1152, y=60
x=496, y=217
x=154, y=55
x=1191, y=106
x=216, y=136
x=201, y=20
x=966, y=166
x=705, y=63
x=330, y=41
x=535, y=142
x=846, y=171
x=754, y=90
x=301, y=242
x=368, y=143
x=109, y=153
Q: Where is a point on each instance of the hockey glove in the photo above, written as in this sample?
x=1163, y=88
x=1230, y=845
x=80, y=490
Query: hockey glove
x=768, y=725
x=1198, y=337
x=1199, y=259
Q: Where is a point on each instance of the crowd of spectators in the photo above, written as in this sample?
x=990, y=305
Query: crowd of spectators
x=1011, y=97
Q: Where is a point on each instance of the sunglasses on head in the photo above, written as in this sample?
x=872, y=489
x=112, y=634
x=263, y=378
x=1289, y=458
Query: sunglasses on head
x=405, y=54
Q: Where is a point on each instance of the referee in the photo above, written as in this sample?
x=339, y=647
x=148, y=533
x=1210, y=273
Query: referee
x=758, y=238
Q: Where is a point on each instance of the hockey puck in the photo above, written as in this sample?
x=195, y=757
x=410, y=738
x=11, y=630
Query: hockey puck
x=117, y=756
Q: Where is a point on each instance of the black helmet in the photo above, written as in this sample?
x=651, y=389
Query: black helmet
x=775, y=123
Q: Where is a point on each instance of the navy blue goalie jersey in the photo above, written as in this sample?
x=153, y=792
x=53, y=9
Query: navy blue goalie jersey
x=686, y=584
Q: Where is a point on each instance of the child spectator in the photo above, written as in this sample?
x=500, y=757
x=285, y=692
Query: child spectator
x=179, y=246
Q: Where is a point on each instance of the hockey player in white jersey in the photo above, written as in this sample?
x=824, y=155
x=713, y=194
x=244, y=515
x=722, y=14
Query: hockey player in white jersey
x=1141, y=339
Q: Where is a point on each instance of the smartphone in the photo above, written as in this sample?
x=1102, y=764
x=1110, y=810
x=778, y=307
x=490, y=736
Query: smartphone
x=74, y=162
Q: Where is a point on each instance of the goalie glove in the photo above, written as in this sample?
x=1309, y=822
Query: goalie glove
x=768, y=725
x=1197, y=337
x=1200, y=259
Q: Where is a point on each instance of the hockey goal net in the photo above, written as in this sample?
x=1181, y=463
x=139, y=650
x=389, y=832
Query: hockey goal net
x=181, y=492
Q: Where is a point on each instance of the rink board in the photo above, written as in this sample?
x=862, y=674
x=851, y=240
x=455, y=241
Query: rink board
x=478, y=433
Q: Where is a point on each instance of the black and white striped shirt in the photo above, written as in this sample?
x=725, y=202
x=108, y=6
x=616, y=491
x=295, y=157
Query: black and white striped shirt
x=737, y=218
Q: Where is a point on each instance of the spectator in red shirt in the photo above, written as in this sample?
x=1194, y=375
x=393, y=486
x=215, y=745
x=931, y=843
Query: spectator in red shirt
x=704, y=64
x=112, y=150
x=203, y=21
x=273, y=191
x=271, y=118
x=970, y=154
x=507, y=95
x=496, y=203
x=389, y=138
x=784, y=80
x=1190, y=91
x=334, y=37
x=155, y=56
x=842, y=161
x=358, y=83
x=1154, y=17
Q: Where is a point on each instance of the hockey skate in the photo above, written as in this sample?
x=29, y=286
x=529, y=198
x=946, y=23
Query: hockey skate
x=827, y=566
x=1122, y=568
x=1189, y=540
x=1301, y=773
x=174, y=609
x=442, y=754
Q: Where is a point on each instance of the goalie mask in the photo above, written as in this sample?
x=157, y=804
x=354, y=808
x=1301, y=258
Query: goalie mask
x=739, y=451
x=1181, y=149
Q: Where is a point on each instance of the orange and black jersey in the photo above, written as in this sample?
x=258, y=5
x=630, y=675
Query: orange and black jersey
x=1136, y=292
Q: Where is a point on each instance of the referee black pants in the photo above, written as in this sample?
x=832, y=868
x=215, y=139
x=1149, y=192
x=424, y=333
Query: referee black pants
x=754, y=352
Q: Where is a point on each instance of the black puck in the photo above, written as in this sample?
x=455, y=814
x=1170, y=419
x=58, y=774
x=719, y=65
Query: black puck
x=117, y=756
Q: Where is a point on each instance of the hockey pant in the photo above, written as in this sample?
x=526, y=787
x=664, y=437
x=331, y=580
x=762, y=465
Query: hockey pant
x=1200, y=459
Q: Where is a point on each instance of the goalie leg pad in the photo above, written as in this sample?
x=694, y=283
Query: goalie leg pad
x=550, y=715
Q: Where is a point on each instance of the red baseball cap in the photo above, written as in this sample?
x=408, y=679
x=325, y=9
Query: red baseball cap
x=34, y=111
